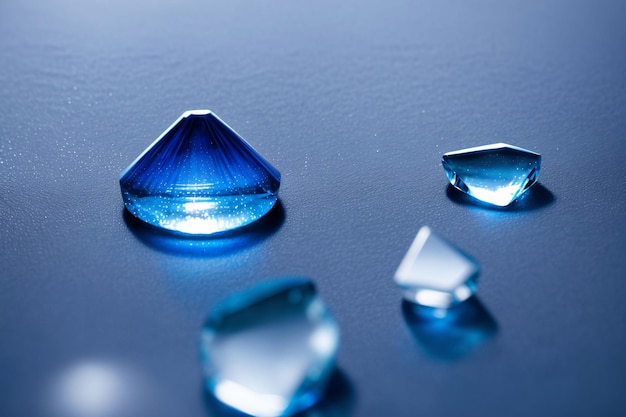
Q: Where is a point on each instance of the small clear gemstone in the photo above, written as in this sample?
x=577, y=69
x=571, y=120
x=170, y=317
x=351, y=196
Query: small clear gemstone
x=199, y=177
x=436, y=274
x=269, y=351
x=496, y=174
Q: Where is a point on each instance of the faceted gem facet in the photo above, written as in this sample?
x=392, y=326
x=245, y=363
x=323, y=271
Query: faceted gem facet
x=269, y=351
x=436, y=274
x=496, y=174
x=199, y=177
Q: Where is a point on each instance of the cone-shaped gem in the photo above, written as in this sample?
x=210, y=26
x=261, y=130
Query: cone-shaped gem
x=436, y=274
x=199, y=177
x=496, y=174
x=269, y=350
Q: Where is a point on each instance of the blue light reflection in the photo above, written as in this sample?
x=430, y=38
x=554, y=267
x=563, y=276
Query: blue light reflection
x=537, y=197
x=221, y=244
x=337, y=401
x=450, y=334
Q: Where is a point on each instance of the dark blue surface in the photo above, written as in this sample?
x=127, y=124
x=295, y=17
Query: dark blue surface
x=354, y=103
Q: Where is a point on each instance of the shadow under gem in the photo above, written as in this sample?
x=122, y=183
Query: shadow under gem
x=336, y=401
x=450, y=334
x=221, y=244
x=534, y=198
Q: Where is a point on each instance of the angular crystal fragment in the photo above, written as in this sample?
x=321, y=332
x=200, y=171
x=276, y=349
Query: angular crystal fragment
x=496, y=174
x=436, y=274
x=199, y=177
x=269, y=351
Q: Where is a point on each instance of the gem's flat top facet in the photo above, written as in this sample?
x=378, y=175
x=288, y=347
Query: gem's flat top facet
x=436, y=274
x=496, y=174
x=269, y=351
x=199, y=177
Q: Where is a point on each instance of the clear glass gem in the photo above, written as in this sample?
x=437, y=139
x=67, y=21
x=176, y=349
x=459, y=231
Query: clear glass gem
x=269, y=351
x=199, y=177
x=496, y=174
x=434, y=273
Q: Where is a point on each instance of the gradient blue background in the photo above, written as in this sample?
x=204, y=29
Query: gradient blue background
x=354, y=103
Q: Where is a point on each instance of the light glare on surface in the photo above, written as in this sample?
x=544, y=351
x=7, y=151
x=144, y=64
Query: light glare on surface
x=433, y=298
x=249, y=401
x=195, y=206
x=91, y=389
x=500, y=196
x=324, y=340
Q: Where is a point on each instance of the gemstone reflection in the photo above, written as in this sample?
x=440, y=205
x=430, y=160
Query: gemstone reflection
x=452, y=333
x=269, y=351
x=496, y=174
x=199, y=177
x=436, y=274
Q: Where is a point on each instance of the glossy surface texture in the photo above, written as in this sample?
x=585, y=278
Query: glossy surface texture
x=269, y=350
x=354, y=102
x=434, y=273
x=199, y=177
x=497, y=174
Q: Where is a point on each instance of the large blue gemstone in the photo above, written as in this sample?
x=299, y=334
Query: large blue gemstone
x=199, y=177
x=269, y=351
x=496, y=174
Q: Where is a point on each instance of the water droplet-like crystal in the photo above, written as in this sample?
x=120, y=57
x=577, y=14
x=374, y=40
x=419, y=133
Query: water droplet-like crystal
x=436, y=274
x=496, y=174
x=199, y=177
x=269, y=350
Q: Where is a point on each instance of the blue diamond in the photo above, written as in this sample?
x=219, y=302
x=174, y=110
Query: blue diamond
x=496, y=174
x=199, y=177
x=434, y=273
x=269, y=351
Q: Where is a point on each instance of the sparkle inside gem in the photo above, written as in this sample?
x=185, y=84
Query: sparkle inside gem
x=436, y=274
x=199, y=177
x=269, y=350
x=496, y=174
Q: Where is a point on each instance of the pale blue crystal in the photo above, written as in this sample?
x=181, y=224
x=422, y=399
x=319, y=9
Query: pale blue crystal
x=496, y=174
x=199, y=177
x=269, y=351
x=434, y=273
